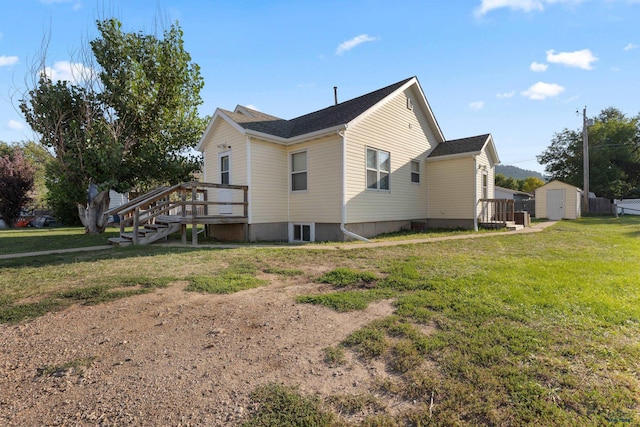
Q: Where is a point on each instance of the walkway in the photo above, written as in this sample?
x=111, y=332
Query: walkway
x=338, y=246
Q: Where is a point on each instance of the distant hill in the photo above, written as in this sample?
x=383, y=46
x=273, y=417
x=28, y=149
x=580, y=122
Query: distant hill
x=516, y=172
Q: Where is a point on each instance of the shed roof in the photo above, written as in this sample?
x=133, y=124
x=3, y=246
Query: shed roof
x=471, y=144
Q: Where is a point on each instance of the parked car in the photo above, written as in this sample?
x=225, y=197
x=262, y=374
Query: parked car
x=43, y=221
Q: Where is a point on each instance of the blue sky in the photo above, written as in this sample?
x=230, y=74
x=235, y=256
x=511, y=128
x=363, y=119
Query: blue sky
x=518, y=69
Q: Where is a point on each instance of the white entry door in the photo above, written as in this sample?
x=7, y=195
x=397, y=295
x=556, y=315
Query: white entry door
x=224, y=194
x=555, y=204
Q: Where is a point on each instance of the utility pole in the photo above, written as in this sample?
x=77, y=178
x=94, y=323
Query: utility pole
x=585, y=162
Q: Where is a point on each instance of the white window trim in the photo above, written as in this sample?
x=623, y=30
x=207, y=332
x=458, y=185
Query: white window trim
x=411, y=172
x=484, y=184
x=221, y=154
x=312, y=231
x=367, y=169
x=291, y=190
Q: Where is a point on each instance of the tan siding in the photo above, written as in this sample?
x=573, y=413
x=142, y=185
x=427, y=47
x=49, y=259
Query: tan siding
x=484, y=165
x=268, y=182
x=571, y=199
x=322, y=202
x=407, y=136
x=450, y=188
x=224, y=133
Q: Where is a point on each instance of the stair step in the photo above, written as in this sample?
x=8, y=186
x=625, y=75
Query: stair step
x=167, y=219
x=130, y=235
x=119, y=241
x=155, y=226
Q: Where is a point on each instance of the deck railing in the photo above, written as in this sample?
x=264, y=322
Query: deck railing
x=186, y=203
x=496, y=210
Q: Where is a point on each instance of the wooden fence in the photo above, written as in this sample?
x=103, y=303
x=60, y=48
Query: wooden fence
x=601, y=206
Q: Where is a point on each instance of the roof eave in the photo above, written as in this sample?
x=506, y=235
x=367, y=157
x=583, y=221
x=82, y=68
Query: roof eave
x=453, y=156
x=297, y=139
x=218, y=114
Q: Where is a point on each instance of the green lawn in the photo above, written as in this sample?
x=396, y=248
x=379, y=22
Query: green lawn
x=527, y=329
x=13, y=241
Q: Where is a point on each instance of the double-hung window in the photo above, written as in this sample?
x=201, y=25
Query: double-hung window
x=415, y=171
x=224, y=170
x=299, y=171
x=378, y=169
x=485, y=186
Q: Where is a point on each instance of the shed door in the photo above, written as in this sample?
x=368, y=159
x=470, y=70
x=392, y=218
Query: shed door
x=555, y=204
x=225, y=195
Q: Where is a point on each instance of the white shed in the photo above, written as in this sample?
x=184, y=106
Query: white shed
x=557, y=200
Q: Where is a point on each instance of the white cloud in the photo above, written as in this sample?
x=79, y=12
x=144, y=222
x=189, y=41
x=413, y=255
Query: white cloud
x=630, y=46
x=8, y=60
x=506, y=95
x=527, y=6
x=541, y=90
x=538, y=67
x=350, y=44
x=73, y=72
x=476, y=105
x=579, y=59
x=14, y=125
x=77, y=4
x=253, y=107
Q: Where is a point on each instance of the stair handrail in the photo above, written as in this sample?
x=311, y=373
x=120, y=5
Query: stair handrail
x=134, y=201
x=145, y=199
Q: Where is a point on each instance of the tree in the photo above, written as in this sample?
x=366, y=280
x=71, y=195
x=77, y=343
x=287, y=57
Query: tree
x=16, y=181
x=129, y=125
x=38, y=157
x=506, y=182
x=530, y=184
x=614, y=156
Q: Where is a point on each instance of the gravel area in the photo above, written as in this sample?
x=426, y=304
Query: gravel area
x=174, y=357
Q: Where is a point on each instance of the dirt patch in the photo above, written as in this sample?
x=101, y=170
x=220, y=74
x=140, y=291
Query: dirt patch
x=174, y=357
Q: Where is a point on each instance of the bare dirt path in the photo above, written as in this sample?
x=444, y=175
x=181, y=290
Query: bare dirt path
x=174, y=357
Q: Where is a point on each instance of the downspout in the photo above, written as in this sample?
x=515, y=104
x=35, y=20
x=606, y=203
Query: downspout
x=343, y=218
x=475, y=193
x=249, y=183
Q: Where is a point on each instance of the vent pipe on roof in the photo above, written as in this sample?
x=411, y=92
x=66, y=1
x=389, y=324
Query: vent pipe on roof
x=335, y=95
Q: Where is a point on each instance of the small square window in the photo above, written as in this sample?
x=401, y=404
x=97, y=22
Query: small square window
x=302, y=233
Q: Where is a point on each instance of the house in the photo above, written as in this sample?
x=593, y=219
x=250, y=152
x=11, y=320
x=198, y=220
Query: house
x=374, y=164
x=557, y=200
x=508, y=193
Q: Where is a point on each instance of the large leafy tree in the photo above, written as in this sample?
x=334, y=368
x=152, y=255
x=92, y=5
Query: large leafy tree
x=614, y=155
x=130, y=124
x=38, y=158
x=16, y=181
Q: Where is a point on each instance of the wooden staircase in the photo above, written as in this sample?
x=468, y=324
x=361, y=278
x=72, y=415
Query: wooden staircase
x=167, y=210
x=151, y=232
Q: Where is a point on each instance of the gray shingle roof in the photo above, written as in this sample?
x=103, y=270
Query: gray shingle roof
x=323, y=119
x=460, y=146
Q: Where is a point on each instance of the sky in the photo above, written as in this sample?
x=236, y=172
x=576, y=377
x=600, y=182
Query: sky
x=521, y=70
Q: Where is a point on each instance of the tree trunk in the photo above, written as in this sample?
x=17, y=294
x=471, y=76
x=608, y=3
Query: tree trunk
x=93, y=215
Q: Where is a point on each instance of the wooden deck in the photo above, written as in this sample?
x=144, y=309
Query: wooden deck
x=166, y=210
